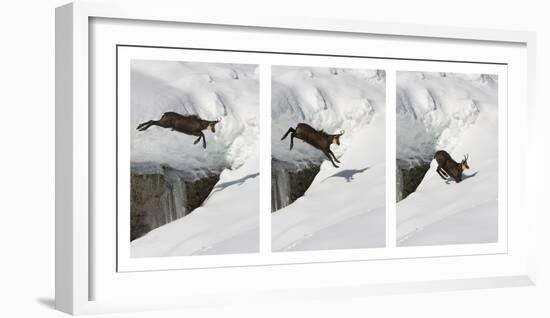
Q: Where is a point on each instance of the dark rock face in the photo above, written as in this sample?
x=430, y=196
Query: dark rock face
x=289, y=181
x=408, y=179
x=162, y=196
x=148, y=192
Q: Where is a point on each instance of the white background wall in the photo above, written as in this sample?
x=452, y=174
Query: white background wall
x=27, y=158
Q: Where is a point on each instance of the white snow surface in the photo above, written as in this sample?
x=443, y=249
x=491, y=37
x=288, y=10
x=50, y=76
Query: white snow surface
x=227, y=221
x=344, y=207
x=457, y=113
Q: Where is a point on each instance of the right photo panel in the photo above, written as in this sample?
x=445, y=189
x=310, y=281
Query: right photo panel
x=447, y=158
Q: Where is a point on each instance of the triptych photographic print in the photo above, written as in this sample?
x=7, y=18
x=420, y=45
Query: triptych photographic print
x=384, y=155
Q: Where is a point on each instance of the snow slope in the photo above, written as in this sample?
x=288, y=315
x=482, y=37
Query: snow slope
x=344, y=207
x=227, y=221
x=457, y=113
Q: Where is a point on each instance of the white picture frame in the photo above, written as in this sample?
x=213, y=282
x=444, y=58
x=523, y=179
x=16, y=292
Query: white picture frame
x=84, y=287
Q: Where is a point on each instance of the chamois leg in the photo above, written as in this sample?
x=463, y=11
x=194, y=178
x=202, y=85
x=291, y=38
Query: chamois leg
x=203, y=140
x=290, y=130
x=333, y=156
x=440, y=172
x=144, y=126
x=330, y=158
x=198, y=139
x=292, y=136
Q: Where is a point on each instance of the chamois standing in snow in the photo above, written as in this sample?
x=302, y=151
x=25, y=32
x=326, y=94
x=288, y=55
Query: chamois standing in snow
x=316, y=138
x=446, y=166
x=189, y=125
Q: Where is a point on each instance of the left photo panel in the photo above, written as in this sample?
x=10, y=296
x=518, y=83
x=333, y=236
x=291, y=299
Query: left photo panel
x=194, y=170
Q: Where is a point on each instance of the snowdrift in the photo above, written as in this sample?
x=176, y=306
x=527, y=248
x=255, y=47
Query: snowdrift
x=344, y=207
x=227, y=221
x=457, y=113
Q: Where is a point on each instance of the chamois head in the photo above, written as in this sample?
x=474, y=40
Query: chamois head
x=464, y=163
x=212, y=125
x=336, y=138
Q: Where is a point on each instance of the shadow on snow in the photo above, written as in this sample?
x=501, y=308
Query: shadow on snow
x=348, y=174
x=223, y=186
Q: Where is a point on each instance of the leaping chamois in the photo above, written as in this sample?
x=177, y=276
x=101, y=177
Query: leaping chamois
x=189, y=125
x=316, y=138
x=446, y=166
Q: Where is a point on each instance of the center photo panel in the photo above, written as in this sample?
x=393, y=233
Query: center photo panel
x=328, y=162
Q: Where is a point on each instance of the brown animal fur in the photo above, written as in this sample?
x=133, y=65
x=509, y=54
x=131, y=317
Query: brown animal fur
x=316, y=138
x=446, y=166
x=189, y=125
